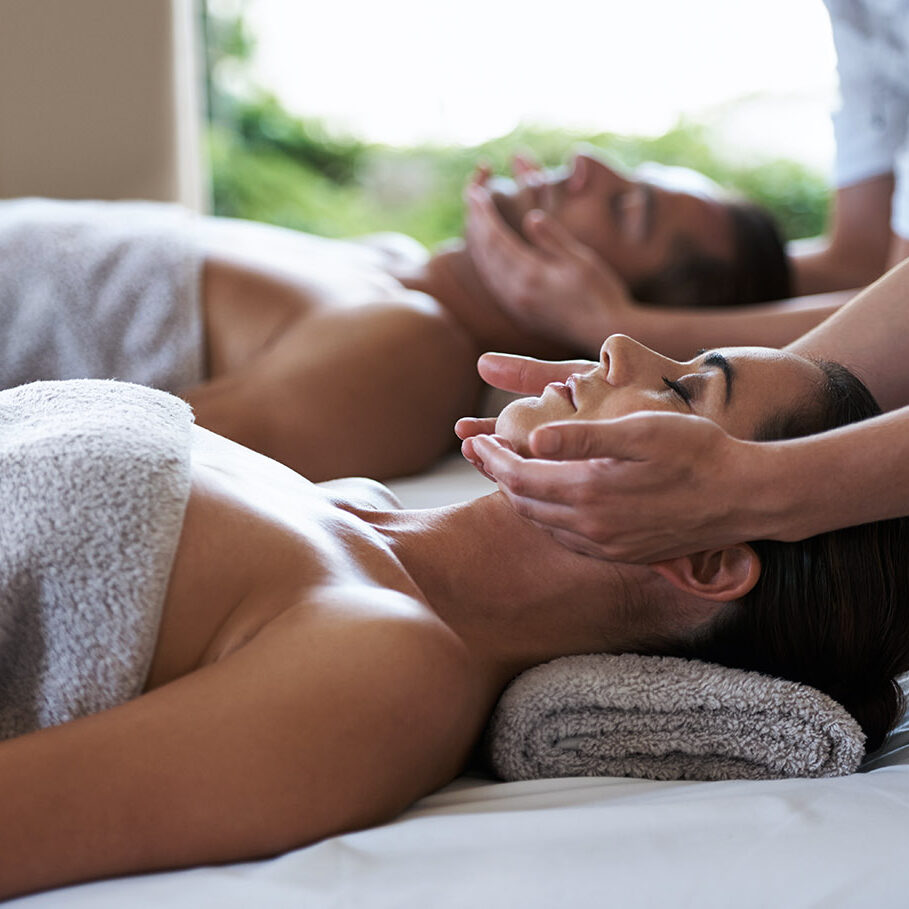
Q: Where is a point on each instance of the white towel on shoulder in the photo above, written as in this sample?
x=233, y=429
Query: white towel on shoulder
x=94, y=480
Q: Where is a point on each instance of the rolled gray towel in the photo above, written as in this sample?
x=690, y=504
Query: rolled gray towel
x=94, y=480
x=665, y=718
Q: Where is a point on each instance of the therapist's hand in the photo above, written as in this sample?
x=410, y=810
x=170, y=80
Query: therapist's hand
x=551, y=284
x=640, y=488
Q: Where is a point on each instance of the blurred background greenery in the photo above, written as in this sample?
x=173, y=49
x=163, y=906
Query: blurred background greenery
x=270, y=165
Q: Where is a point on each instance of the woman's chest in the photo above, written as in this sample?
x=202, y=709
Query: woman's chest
x=257, y=539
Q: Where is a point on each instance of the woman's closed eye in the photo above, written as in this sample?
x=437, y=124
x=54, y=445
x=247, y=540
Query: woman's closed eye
x=679, y=389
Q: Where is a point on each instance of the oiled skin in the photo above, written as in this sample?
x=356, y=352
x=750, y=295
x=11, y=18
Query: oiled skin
x=340, y=358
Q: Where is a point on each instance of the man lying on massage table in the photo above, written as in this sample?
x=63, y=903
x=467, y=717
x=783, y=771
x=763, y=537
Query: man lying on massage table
x=323, y=659
x=338, y=357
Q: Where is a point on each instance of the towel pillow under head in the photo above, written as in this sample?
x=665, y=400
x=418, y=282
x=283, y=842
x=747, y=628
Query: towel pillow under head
x=666, y=718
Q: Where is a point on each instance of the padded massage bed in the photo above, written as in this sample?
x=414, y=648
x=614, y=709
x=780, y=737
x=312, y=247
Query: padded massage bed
x=579, y=842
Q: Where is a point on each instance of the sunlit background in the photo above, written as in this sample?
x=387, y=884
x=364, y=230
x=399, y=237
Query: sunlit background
x=736, y=89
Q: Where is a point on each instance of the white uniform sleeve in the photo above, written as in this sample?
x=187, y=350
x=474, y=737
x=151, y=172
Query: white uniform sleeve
x=871, y=125
x=899, y=215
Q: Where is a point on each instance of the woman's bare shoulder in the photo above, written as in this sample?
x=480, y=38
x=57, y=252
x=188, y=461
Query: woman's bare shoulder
x=405, y=680
x=336, y=716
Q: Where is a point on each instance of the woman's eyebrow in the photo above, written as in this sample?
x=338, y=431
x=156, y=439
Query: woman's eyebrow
x=715, y=358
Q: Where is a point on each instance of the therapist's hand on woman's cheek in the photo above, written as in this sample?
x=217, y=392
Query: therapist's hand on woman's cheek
x=644, y=487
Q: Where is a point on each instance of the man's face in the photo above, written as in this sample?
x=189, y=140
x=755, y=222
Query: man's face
x=634, y=222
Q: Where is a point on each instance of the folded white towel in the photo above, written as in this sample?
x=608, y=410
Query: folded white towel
x=94, y=480
x=665, y=718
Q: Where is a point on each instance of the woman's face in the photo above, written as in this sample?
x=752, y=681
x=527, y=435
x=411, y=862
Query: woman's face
x=635, y=222
x=739, y=388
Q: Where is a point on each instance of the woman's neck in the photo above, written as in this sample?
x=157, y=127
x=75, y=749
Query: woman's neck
x=450, y=276
x=511, y=593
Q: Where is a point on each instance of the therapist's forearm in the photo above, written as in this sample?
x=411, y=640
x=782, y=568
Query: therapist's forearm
x=681, y=333
x=849, y=476
x=855, y=252
x=824, y=269
x=870, y=335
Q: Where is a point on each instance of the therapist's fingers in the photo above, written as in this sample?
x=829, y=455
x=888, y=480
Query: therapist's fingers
x=526, y=168
x=474, y=426
x=553, y=239
x=481, y=174
x=497, y=243
x=527, y=375
x=467, y=450
x=527, y=478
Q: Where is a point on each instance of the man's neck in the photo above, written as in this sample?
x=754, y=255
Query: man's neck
x=515, y=596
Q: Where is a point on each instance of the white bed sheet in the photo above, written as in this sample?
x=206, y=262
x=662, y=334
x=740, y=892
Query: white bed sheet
x=576, y=842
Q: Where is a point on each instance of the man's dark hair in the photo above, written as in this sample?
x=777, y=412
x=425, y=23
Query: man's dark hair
x=758, y=271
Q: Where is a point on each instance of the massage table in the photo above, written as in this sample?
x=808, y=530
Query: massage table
x=578, y=842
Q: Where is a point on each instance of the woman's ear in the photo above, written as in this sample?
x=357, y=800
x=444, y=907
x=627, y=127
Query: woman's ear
x=715, y=574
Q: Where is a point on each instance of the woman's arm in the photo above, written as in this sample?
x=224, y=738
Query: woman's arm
x=318, y=726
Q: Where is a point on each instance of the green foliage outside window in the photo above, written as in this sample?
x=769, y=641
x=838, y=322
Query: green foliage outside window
x=269, y=165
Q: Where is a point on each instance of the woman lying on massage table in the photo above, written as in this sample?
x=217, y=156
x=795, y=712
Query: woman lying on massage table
x=323, y=659
x=320, y=353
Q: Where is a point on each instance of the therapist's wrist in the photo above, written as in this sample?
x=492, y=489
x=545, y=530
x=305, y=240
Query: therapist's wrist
x=796, y=497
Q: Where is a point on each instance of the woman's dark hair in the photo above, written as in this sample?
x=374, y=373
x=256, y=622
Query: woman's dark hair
x=831, y=611
x=758, y=271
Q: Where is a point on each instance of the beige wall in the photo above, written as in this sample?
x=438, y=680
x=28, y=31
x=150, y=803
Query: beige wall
x=99, y=99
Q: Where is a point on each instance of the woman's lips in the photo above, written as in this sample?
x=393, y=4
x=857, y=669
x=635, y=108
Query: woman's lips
x=564, y=390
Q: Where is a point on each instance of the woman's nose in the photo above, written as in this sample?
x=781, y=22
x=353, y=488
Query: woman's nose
x=624, y=360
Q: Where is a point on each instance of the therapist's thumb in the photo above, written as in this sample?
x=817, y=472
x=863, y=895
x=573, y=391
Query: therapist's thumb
x=628, y=438
x=572, y=441
x=637, y=437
